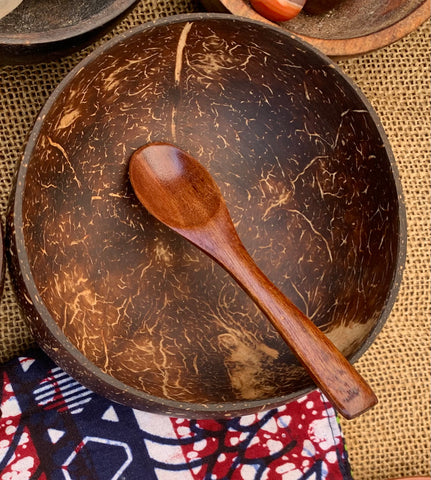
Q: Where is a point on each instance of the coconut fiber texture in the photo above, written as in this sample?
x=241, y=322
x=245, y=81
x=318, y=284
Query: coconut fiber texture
x=393, y=439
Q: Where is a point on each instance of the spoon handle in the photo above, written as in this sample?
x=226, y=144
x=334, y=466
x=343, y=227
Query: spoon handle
x=330, y=370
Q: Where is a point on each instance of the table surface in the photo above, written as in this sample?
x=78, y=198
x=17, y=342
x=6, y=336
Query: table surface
x=392, y=440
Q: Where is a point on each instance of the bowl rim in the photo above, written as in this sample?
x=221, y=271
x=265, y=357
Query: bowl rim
x=2, y=259
x=373, y=41
x=130, y=395
x=344, y=47
x=107, y=14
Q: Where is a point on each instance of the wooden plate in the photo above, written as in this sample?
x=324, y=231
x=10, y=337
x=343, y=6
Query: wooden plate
x=341, y=27
x=41, y=30
x=139, y=314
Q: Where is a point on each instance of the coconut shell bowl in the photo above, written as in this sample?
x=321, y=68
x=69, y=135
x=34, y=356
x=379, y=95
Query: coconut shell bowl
x=341, y=28
x=2, y=260
x=137, y=313
x=33, y=31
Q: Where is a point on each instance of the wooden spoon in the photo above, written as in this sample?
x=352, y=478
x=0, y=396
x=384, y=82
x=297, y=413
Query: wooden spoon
x=180, y=192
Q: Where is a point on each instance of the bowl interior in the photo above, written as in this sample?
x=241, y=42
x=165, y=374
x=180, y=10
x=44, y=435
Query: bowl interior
x=342, y=19
x=46, y=15
x=36, y=21
x=307, y=176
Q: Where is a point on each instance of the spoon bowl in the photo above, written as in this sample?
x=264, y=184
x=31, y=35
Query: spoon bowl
x=174, y=187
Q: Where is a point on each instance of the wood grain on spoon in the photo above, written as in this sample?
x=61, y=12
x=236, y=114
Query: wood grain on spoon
x=180, y=192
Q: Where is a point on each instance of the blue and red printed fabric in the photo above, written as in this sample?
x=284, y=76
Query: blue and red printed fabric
x=53, y=428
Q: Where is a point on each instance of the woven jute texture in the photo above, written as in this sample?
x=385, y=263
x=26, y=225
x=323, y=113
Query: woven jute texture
x=393, y=439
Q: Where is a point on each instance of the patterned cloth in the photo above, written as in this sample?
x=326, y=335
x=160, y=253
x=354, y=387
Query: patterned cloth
x=53, y=428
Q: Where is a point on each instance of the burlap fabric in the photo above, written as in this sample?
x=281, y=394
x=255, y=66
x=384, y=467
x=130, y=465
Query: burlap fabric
x=392, y=440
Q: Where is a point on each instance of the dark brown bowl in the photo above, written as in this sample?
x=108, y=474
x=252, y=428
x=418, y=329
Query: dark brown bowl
x=137, y=313
x=2, y=260
x=343, y=27
x=42, y=30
